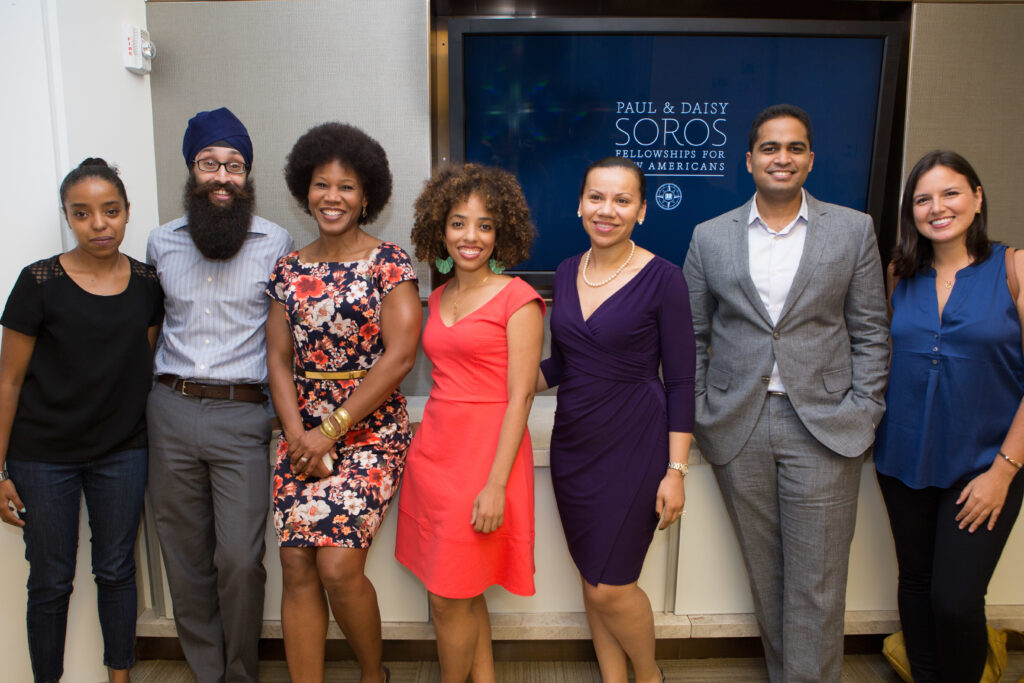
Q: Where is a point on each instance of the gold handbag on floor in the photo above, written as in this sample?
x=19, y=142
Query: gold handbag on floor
x=895, y=651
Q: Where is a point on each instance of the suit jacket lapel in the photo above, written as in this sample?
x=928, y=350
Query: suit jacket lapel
x=741, y=254
x=818, y=224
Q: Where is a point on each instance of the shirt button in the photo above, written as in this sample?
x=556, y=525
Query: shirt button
x=207, y=341
x=935, y=348
x=202, y=367
x=209, y=278
x=207, y=311
x=935, y=361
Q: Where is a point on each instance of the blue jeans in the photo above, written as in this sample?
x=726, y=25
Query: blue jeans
x=52, y=493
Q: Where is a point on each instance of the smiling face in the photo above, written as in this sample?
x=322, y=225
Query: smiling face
x=611, y=205
x=336, y=198
x=97, y=215
x=219, y=185
x=945, y=205
x=781, y=158
x=469, y=234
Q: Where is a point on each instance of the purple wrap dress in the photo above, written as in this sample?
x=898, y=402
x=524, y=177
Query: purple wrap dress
x=609, y=445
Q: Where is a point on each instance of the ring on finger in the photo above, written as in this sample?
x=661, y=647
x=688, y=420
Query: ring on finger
x=304, y=459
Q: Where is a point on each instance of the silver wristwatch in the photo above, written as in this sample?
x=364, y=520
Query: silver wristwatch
x=4, y=476
x=680, y=467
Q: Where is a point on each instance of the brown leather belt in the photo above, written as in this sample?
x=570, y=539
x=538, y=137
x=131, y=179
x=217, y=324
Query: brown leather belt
x=249, y=393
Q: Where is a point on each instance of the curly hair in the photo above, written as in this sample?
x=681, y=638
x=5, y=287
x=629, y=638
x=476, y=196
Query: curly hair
x=351, y=147
x=500, y=193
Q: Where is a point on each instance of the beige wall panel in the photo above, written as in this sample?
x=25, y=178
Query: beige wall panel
x=966, y=94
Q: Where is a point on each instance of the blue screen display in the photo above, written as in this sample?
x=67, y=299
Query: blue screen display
x=544, y=106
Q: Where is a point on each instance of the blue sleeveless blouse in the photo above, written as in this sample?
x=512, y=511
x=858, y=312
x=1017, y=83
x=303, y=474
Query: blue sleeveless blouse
x=955, y=384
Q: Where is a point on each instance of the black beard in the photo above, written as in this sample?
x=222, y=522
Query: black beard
x=218, y=231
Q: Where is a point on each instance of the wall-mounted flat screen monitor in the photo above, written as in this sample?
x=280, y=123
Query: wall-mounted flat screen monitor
x=543, y=98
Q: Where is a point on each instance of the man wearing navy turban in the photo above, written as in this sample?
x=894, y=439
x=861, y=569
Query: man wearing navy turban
x=209, y=425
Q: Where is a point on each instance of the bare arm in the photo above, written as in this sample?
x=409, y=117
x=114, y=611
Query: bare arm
x=401, y=321
x=525, y=334
x=152, y=334
x=15, y=353
x=984, y=496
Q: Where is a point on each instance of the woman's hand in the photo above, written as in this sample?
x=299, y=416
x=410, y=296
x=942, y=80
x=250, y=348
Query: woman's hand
x=9, y=497
x=671, y=498
x=306, y=453
x=983, y=497
x=488, y=509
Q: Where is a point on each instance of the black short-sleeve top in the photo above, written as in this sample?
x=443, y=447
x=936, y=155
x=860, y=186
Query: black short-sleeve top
x=84, y=395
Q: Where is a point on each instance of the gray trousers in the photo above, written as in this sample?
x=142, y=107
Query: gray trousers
x=793, y=505
x=209, y=485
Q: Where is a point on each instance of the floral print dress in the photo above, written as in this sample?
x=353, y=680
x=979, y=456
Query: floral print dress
x=334, y=314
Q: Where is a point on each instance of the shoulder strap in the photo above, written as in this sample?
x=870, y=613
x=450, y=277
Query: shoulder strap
x=1014, y=284
x=1011, y=274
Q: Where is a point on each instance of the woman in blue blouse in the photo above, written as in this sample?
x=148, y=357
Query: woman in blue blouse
x=952, y=440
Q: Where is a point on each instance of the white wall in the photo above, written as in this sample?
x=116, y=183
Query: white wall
x=66, y=96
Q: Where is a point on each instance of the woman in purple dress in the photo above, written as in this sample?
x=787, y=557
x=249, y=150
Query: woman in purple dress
x=621, y=436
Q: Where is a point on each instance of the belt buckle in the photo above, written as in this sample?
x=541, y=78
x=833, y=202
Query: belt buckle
x=184, y=386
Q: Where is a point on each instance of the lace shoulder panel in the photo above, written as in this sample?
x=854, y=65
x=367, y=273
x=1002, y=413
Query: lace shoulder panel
x=143, y=270
x=47, y=269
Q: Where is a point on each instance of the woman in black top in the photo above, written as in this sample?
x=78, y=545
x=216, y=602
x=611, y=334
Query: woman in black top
x=75, y=368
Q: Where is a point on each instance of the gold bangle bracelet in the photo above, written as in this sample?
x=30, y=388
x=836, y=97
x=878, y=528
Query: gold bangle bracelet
x=329, y=430
x=344, y=420
x=1010, y=460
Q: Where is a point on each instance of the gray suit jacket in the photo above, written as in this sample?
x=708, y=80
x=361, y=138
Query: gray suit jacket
x=831, y=340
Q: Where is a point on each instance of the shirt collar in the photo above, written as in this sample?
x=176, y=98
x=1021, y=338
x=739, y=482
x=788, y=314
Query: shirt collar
x=755, y=218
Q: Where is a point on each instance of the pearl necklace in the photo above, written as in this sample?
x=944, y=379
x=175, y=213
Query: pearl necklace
x=602, y=283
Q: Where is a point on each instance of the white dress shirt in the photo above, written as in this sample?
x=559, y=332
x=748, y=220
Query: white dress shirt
x=774, y=259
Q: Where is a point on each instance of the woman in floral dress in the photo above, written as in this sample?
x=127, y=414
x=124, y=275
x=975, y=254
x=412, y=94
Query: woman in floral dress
x=342, y=333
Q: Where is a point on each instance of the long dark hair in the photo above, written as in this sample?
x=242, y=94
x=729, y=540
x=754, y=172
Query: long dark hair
x=913, y=254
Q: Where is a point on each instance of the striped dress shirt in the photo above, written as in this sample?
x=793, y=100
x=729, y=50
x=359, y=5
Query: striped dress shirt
x=215, y=310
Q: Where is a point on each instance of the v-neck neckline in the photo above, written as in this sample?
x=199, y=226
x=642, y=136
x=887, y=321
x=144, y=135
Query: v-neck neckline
x=579, y=301
x=440, y=318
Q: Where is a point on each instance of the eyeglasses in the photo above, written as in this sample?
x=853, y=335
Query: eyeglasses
x=212, y=166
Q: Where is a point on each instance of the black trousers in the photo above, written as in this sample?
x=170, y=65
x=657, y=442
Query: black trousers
x=944, y=573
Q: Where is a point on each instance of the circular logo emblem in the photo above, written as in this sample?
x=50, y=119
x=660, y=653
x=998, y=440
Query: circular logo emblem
x=668, y=196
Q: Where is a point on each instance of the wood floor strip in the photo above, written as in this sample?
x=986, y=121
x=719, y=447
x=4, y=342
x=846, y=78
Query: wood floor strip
x=856, y=669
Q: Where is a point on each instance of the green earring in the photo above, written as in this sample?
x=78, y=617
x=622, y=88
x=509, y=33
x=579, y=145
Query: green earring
x=497, y=267
x=444, y=265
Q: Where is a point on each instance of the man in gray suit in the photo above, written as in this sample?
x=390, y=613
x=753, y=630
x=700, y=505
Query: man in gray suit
x=792, y=348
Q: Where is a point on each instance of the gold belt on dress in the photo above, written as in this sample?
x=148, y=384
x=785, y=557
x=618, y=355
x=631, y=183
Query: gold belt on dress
x=351, y=374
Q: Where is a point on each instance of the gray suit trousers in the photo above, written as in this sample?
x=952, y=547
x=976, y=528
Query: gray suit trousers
x=209, y=485
x=793, y=505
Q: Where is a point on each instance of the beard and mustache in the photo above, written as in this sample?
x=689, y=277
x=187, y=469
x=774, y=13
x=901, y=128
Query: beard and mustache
x=218, y=231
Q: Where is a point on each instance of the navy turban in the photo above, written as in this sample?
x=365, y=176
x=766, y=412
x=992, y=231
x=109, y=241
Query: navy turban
x=218, y=125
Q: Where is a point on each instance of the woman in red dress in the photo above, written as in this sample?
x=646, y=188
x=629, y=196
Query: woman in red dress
x=465, y=516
